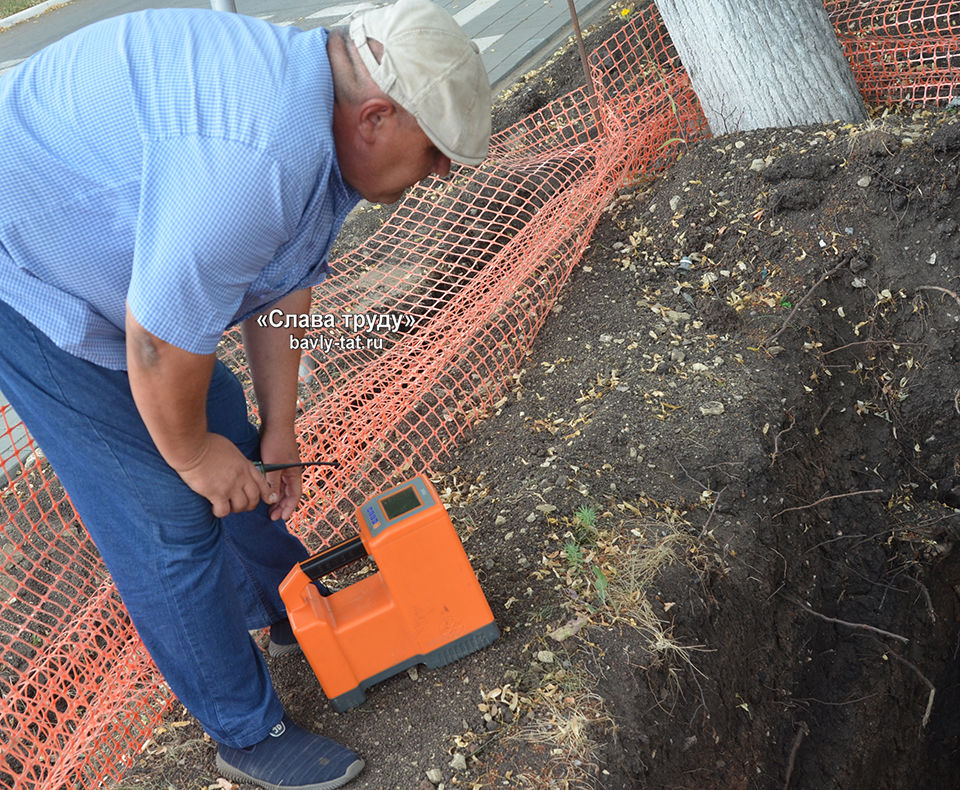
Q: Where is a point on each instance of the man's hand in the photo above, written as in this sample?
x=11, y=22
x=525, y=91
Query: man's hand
x=226, y=477
x=282, y=448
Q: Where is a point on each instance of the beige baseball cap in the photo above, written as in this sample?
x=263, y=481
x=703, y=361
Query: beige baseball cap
x=432, y=69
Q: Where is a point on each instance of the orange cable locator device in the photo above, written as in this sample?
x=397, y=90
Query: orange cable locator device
x=422, y=606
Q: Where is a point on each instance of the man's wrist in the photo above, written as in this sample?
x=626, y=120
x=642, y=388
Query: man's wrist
x=279, y=429
x=277, y=441
x=184, y=458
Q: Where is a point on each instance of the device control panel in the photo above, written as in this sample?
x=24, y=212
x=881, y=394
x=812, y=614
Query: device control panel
x=397, y=504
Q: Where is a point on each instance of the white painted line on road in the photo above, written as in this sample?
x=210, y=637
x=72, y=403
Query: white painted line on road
x=483, y=44
x=337, y=11
x=472, y=11
x=462, y=17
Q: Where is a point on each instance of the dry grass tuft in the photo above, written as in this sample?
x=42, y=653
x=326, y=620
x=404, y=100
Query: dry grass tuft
x=569, y=717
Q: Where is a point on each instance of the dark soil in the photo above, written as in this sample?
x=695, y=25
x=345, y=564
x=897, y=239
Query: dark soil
x=752, y=383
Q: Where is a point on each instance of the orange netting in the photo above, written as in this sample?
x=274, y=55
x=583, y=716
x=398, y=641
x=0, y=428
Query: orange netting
x=904, y=52
x=423, y=329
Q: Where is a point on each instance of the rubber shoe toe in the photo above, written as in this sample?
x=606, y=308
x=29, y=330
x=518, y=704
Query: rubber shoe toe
x=282, y=640
x=290, y=758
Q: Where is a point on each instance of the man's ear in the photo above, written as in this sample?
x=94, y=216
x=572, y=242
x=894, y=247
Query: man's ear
x=374, y=114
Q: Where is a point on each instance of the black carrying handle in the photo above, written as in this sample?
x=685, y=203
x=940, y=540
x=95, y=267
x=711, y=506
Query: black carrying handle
x=328, y=560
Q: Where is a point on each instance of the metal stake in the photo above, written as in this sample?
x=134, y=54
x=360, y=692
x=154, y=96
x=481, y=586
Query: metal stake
x=591, y=88
x=274, y=467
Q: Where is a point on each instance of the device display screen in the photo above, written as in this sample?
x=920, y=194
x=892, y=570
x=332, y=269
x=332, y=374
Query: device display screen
x=397, y=504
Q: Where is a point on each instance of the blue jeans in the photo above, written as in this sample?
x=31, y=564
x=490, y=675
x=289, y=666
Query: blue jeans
x=192, y=583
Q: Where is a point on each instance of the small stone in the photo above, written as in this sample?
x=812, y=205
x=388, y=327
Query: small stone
x=858, y=265
x=435, y=775
x=864, y=181
x=531, y=518
x=675, y=202
x=499, y=521
x=568, y=630
x=459, y=762
x=712, y=408
x=545, y=508
x=545, y=657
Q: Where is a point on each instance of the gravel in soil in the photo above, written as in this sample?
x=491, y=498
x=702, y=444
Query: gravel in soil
x=715, y=517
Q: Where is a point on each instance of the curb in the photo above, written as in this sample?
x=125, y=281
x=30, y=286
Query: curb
x=29, y=13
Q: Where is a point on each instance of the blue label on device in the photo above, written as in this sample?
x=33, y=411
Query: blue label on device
x=371, y=514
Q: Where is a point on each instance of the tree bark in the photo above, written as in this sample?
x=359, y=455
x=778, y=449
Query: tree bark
x=763, y=63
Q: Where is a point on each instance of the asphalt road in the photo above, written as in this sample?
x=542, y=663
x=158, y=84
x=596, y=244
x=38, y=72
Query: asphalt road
x=511, y=34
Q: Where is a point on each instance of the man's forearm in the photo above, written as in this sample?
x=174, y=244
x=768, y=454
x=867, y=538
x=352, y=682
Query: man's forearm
x=274, y=366
x=169, y=386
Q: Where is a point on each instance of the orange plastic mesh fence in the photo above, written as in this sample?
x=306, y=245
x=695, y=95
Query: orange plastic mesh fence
x=901, y=52
x=417, y=335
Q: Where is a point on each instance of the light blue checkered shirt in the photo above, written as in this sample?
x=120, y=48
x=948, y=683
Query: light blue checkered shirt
x=179, y=160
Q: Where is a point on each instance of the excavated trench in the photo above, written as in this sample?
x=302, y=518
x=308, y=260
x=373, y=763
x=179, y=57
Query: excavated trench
x=829, y=653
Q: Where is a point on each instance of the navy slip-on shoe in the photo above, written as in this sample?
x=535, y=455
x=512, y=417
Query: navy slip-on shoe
x=290, y=758
x=282, y=640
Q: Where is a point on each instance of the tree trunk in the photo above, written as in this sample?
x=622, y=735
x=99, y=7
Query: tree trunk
x=762, y=63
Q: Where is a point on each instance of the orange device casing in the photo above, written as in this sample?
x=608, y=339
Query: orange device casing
x=422, y=606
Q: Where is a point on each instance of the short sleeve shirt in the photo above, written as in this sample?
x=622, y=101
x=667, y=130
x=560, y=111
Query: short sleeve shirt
x=180, y=161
